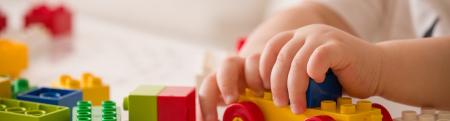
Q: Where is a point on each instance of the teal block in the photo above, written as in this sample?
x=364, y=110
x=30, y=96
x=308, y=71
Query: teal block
x=17, y=110
x=142, y=105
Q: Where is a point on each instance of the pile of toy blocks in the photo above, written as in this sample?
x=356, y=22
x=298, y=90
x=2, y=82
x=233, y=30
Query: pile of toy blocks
x=49, y=99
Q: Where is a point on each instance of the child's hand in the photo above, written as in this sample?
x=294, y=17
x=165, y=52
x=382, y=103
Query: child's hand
x=287, y=62
x=290, y=58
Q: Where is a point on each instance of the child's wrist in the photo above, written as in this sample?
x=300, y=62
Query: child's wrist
x=385, y=68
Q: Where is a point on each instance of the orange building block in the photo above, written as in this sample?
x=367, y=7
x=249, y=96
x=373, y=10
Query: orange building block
x=92, y=87
x=5, y=86
x=13, y=57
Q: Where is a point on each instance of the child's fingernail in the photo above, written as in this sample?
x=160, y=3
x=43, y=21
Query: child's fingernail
x=295, y=109
x=277, y=102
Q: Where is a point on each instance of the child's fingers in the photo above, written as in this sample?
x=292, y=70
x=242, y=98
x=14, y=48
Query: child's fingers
x=209, y=97
x=228, y=75
x=298, y=78
x=323, y=58
x=252, y=76
x=280, y=70
x=269, y=55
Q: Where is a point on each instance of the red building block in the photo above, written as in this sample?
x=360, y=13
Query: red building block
x=176, y=104
x=57, y=20
x=240, y=43
x=3, y=21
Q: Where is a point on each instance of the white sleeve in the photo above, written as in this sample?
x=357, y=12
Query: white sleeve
x=364, y=16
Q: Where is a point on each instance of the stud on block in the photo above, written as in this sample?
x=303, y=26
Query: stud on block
x=57, y=20
x=61, y=97
x=17, y=110
x=13, y=57
x=92, y=87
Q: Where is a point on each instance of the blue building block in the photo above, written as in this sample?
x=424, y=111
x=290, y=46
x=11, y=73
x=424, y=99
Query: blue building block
x=330, y=89
x=62, y=97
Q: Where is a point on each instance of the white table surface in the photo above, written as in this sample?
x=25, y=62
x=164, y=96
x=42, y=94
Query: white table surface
x=124, y=58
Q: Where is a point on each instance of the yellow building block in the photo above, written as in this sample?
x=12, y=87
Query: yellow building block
x=13, y=57
x=92, y=87
x=5, y=86
x=342, y=111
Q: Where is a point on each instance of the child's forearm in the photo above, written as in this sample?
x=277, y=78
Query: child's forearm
x=417, y=72
x=304, y=13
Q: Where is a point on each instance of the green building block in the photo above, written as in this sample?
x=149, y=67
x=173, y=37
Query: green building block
x=141, y=103
x=16, y=110
x=108, y=111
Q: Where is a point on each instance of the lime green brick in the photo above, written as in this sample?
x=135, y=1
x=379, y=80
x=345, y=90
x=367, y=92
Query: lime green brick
x=16, y=110
x=142, y=103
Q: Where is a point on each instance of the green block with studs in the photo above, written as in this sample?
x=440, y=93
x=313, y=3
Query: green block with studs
x=17, y=110
x=141, y=103
x=84, y=111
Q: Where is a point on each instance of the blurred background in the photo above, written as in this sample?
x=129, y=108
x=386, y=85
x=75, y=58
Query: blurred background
x=134, y=42
x=214, y=23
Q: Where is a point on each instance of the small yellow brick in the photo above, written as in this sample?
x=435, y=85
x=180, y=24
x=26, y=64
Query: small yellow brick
x=344, y=100
x=363, y=105
x=328, y=105
x=347, y=109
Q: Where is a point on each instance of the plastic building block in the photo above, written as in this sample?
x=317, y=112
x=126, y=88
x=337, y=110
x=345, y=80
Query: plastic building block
x=330, y=89
x=142, y=103
x=240, y=43
x=108, y=111
x=5, y=84
x=427, y=114
x=3, y=21
x=361, y=111
x=19, y=86
x=13, y=57
x=57, y=20
x=62, y=97
x=92, y=87
x=179, y=101
x=16, y=110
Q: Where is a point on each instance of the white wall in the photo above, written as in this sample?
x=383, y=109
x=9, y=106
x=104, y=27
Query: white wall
x=207, y=21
